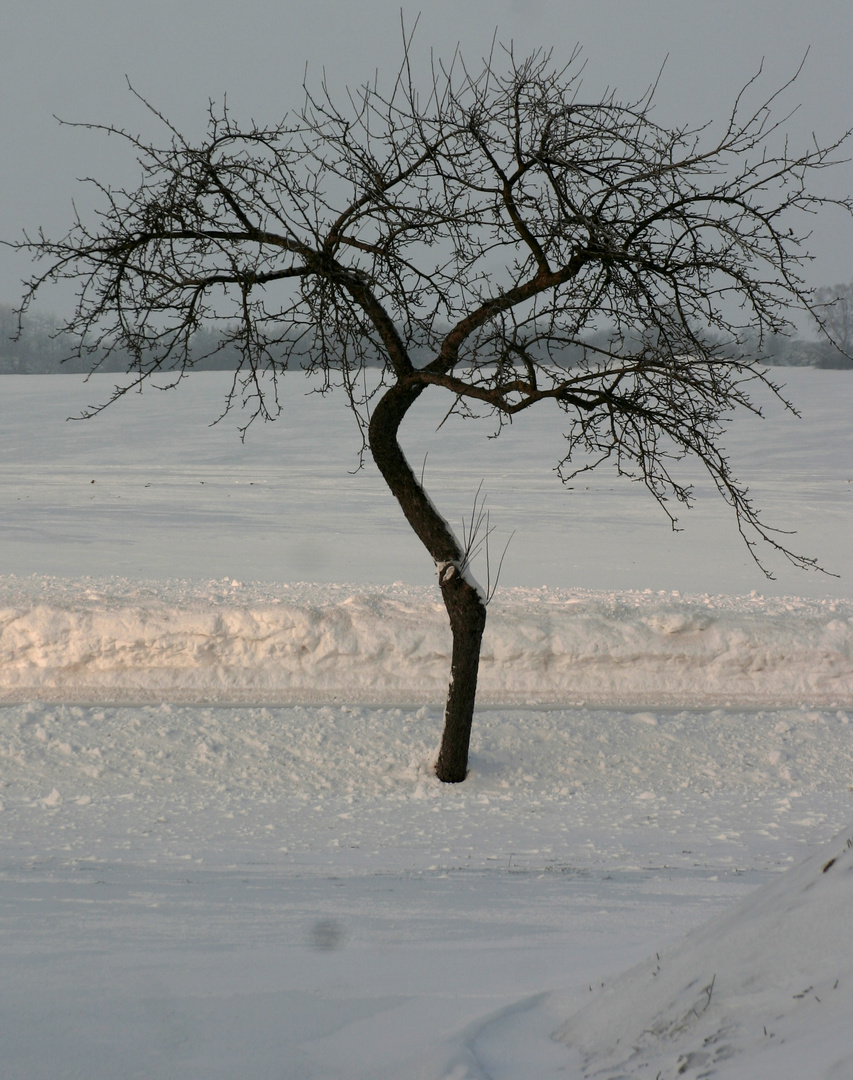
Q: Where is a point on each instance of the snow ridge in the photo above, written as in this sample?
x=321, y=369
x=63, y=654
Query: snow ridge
x=115, y=640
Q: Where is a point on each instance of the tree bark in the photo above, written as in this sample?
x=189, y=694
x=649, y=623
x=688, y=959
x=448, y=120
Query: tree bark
x=467, y=622
x=465, y=605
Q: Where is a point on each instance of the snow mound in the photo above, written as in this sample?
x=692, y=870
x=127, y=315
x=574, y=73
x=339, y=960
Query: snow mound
x=113, y=640
x=761, y=992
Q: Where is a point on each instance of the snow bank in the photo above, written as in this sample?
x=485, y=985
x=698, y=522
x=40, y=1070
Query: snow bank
x=763, y=991
x=118, y=640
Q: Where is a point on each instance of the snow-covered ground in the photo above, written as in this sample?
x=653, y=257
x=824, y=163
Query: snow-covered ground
x=150, y=490
x=222, y=849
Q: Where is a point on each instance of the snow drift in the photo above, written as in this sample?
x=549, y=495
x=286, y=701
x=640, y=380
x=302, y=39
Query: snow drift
x=766, y=988
x=219, y=642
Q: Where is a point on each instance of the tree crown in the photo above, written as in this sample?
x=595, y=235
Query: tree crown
x=497, y=236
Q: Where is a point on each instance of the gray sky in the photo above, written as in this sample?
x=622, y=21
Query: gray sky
x=70, y=58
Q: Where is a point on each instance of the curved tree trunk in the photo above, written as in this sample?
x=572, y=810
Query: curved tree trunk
x=465, y=605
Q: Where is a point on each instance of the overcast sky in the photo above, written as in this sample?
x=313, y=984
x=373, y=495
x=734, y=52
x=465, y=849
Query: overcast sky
x=71, y=57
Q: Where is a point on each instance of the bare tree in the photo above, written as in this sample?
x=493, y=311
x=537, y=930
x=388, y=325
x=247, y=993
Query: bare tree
x=497, y=238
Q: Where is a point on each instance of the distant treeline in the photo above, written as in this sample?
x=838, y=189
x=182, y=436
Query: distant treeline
x=38, y=351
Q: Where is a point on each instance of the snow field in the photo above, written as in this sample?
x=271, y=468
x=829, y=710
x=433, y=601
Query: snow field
x=81, y=757
x=150, y=490
x=223, y=853
x=189, y=889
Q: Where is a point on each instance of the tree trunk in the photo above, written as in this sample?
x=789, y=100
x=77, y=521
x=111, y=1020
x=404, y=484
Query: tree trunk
x=467, y=621
x=465, y=605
